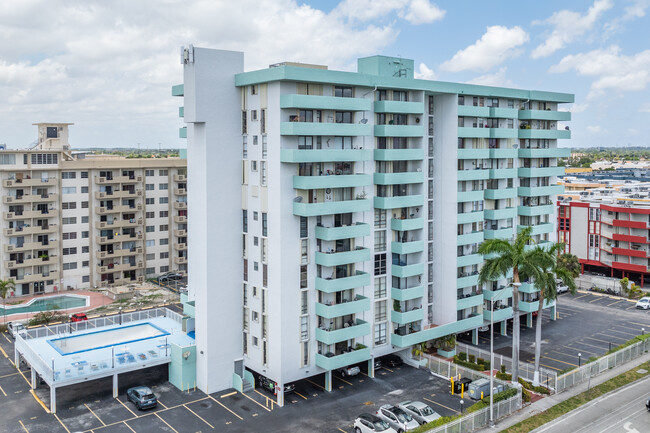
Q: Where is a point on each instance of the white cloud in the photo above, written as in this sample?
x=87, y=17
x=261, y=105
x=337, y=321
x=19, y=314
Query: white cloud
x=568, y=26
x=496, y=45
x=424, y=73
x=634, y=11
x=575, y=108
x=612, y=69
x=497, y=79
x=597, y=129
x=422, y=12
x=645, y=108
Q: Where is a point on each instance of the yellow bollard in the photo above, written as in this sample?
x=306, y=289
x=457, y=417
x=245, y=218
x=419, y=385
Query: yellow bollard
x=481, y=395
x=462, y=390
x=195, y=386
x=452, y=385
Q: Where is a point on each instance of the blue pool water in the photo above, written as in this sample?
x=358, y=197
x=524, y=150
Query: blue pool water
x=62, y=302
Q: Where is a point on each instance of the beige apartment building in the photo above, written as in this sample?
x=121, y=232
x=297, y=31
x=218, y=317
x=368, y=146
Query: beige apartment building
x=75, y=220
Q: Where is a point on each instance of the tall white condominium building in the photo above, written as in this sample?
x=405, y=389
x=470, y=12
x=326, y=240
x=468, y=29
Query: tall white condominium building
x=337, y=215
x=77, y=220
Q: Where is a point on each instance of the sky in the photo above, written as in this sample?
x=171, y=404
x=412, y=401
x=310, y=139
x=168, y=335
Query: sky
x=108, y=66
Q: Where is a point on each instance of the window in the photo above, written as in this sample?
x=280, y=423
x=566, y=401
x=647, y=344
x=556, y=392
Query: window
x=85, y=234
x=245, y=220
x=304, y=230
x=253, y=165
x=256, y=266
x=264, y=224
x=265, y=148
x=150, y=271
x=303, y=277
x=68, y=266
x=380, y=218
x=163, y=186
x=163, y=227
x=304, y=328
x=343, y=92
x=164, y=269
x=69, y=205
x=164, y=255
x=304, y=251
x=163, y=172
x=150, y=201
x=84, y=205
x=254, y=140
x=150, y=215
x=149, y=187
x=380, y=287
x=163, y=214
x=380, y=311
x=380, y=334
x=253, y=115
x=380, y=240
x=461, y=99
x=84, y=190
x=8, y=159
x=69, y=251
x=68, y=175
x=69, y=220
x=256, y=240
x=150, y=229
x=263, y=173
x=151, y=256
x=164, y=241
x=150, y=243
x=380, y=264
x=305, y=354
x=255, y=341
x=244, y=146
x=149, y=172
x=85, y=249
x=255, y=215
x=163, y=200
x=255, y=316
x=85, y=264
x=71, y=235
x=85, y=279
x=69, y=190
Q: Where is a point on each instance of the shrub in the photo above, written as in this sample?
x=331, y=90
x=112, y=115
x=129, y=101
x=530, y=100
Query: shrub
x=504, y=376
x=47, y=317
x=462, y=356
x=503, y=368
x=472, y=358
x=3, y=328
x=525, y=395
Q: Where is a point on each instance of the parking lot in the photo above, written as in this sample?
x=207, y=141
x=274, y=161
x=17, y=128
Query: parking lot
x=588, y=325
x=90, y=407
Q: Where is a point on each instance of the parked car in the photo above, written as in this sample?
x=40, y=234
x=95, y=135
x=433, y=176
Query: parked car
x=392, y=360
x=170, y=276
x=78, y=317
x=647, y=404
x=16, y=328
x=369, y=423
x=142, y=396
x=643, y=303
x=377, y=363
x=561, y=287
x=270, y=385
x=351, y=370
x=421, y=412
x=397, y=418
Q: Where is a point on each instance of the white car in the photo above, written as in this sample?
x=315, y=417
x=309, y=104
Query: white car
x=421, y=412
x=397, y=418
x=352, y=370
x=16, y=328
x=643, y=303
x=369, y=423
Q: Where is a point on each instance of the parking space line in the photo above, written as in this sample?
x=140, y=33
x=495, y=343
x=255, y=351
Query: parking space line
x=3, y=391
x=582, y=296
x=126, y=407
x=128, y=426
x=548, y=366
x=342, y=380
x=91, y=411
x=557, y=360
x=628, y=333
x=7, y=375
x=388, y=369
x=61, y=422
x=618, y=337
x=616, y=302
x=28, y=382
x=267, y=399
x=222, y=405
x=173, y=429
x=581, y=350
x=630, y=308
x=6, y=338
x=228, y=395
x=296, y=392
x=640, y=324
x=587, y=344
x=341, y=430
x=314, y=383
x=256, y=402
x=596, y=339
x=39, y=400
x=196, y=415
x=435, y=402
x=594, y=300
x=23, y=426
x=162, y=404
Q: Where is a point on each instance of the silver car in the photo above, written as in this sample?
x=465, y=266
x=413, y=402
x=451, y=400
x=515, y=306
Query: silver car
x=369, y=423
x=421, y=412
x=397, y=418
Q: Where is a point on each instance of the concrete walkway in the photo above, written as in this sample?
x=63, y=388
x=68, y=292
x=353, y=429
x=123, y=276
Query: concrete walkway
x=548, y=402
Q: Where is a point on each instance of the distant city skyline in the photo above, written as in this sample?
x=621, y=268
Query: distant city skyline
x=108, y=66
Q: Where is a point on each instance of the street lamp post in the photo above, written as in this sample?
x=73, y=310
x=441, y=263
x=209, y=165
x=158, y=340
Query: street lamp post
x=579, y=358
x=462, y=402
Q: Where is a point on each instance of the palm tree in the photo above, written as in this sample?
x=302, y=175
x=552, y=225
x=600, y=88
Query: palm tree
x=511, y=255
x=5, y=286
x=553, y=269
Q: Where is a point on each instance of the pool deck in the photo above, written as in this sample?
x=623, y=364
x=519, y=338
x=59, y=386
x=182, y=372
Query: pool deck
x=95, y=299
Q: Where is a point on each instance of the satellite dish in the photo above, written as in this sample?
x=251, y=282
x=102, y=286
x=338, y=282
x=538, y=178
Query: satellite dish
x=515, y=146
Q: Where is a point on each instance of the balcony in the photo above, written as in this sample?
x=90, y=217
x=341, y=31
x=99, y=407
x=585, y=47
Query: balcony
x=179, y=205
x=472, y=300
x=467, y=280
x=180, y=219
x=470, y=217
x=358, y=305
x=545, y=134
x=407, y=294
x=401, y=225
x=37, y=261
x=117, y=179
x=503, y=233
x=31, y=230
x=109, y=269
x=342, y=258
x=180, y=260
x=407, y=247
x=399, y=130
x=538, y=229
x=405, y=271
x=339, y=361
x=498, y=194
x=23, y=183
x=630, y=224
x=564, y=116
x=398, y=154
x=399, y=201
x=28, y=246
x=325, y=155
x=407, y=317
x=357, y=330
x=477, y=174
x=499, y=214
x=465, y=196
x=29, y=214
x=630, y=267
x=398, y=178
x=127, y=281
x=344, y=232
x=503, y=153
x=118, y=209
x=629, y=238
x=399, y=107
x=502, y=173
x=180, y=247
x=30, y=198
x=469, y=238
x=331, y=207
x=543, y=209
x=466, y=132
x=180, y=178
x=116, y=223
x=549, y=152
x=103, y=195
x=501, y=294
x=32, y=278
x=437, y=331
x=328, y=129
x=332, y=285
x=541, y=171
x=118, y=252
x=529, y=307
x=540, y=190
x=180, y=233
x=118, y=238
x=500, y=314
x=473, y=153
x=468, y=260
x=333, y=181
x=178, y=90
x=628, y=252
x=316, y=102
x=180, y=191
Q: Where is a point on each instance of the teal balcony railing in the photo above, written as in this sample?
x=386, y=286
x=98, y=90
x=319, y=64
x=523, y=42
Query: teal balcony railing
x=356, y=230
x=332, y=285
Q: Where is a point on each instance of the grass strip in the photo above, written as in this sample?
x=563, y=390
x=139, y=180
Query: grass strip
x=575, y=402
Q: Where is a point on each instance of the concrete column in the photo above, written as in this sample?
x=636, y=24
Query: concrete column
x=33, y=378
x=279, y=395
x=328, y=381
x=554, y=312
x=52, y=399
x=475, y=337
x=16, y=357
x=371, y=367
x=504, y=328
x=115, y=387
x=529, y=320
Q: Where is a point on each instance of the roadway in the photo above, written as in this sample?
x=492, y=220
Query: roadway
x=621, y=411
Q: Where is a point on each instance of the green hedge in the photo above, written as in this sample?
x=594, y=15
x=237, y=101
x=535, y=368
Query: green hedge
x=527, y=385
x=479, y=365
x=636, y=339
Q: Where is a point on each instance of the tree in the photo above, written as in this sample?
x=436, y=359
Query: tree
x=5, y=286
x=512, y=255
x=553, y=269
x=570, y=263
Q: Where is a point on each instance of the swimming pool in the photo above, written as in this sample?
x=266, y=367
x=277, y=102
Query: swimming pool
x=106, y=338
x=59, y=302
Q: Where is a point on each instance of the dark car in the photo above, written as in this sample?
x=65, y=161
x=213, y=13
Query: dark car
x=142, y=396
x=270, y=385
x=78, y=317
x=392, y=360
x=171, y=276
x=647, y=404
x=377, y=363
